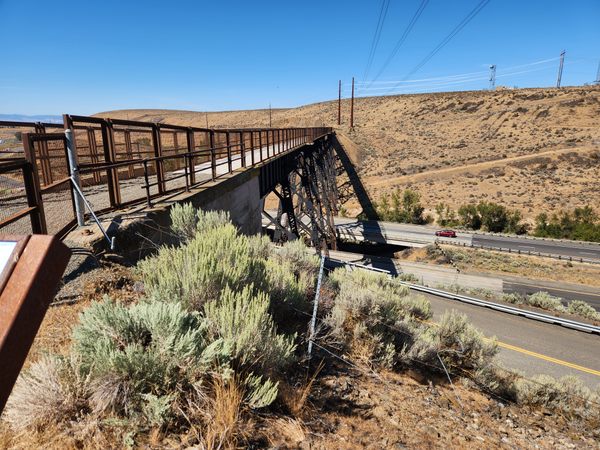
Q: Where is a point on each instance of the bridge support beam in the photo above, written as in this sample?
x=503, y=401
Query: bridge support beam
x=307, y=194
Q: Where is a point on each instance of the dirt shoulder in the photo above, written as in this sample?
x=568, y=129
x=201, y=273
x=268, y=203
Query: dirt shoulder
x=479, y=261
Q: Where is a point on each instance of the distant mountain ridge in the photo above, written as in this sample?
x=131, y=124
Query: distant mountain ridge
x=34, y=118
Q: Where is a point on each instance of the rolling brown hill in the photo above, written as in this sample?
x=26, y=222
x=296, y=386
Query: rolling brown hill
x=531, y=149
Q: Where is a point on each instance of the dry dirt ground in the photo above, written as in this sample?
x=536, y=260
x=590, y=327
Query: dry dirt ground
x=488, y=261
x=531, y=149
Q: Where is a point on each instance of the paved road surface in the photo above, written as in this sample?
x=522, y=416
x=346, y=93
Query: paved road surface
x=556, y=351
x=432, y=275
x=527, y=345
x=421, y=235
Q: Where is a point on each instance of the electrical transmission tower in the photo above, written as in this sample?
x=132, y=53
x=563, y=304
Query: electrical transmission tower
x=598, y=75
x=560, y=68
x=492, y=77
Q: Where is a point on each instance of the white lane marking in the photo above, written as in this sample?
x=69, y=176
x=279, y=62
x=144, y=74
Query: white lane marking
x=525, y=246
x=588, y=253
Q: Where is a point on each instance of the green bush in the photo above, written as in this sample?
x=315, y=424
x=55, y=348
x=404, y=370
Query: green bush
x=469, y=217
x=183, y=221
x=581, y=224
x=446, y=215
x=242, y=320
x=405, y=207
x=199, y=271
x=186, y=220
x=147, y=352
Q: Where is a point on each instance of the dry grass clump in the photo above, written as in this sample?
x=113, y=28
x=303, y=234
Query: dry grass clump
x=566, y=396
x=454, y=345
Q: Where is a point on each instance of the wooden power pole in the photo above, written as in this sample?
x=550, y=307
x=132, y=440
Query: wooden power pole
x=352, y=106
x=340, y=102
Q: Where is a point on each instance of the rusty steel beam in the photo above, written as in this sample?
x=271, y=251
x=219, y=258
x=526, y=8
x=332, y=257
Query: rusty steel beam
x=28, y=286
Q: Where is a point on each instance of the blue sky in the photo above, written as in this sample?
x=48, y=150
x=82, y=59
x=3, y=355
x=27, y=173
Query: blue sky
x=82, y=57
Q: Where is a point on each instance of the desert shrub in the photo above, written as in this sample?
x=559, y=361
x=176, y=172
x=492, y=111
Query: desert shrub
x=297, y=255
x=513, y=298
x=371, y=316
x=208, y=220
x=568, y=395
x=460, y=345
x=242, y=320
x=291, y=274
x=52, y=390
x=140, y=358
x=545, y=301
x=183, y=221
x=186, y=220
x=200, y=270
x=583, y=309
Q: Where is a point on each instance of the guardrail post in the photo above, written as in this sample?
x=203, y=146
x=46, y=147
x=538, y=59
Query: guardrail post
x=191, y=145
x=213, y=159
x=112, y=178
x=74, y=172
x=242, y=149
x=32, y=188
x=158, y=164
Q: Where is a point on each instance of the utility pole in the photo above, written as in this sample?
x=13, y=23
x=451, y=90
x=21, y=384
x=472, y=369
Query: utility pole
x=492, y=77
x=340, y=102
x=206, y=115
x=352, y=106
x=270, y=116
x=560, y=68
x=598, y=75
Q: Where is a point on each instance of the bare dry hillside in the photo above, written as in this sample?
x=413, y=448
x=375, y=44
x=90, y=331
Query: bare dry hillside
x=532, y=149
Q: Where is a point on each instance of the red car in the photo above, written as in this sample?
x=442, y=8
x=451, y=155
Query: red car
x=446, y=233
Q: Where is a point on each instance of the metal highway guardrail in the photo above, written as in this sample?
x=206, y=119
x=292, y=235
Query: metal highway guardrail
x=574, y=325
x=520, y=252
x=533, y=315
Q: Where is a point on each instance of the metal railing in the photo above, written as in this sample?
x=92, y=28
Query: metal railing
x=124, y=162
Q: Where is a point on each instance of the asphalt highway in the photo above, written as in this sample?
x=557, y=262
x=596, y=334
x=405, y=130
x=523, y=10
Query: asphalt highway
x=532, y=347
x=526, y=345
x=390, y=232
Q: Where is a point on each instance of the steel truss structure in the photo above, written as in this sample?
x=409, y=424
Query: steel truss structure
x=308, y=197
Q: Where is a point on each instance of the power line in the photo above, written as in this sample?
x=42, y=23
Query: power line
x=462, y=75
x=482, y=4
x=451, y=81
x=405, y=34
x=377, y=35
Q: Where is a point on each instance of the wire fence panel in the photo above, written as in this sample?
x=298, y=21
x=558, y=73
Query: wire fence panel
x=13, y=200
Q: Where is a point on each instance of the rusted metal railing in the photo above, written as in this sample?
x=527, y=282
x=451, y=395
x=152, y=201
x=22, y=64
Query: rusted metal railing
x=125, y=162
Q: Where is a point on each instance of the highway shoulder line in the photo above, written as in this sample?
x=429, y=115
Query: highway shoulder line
x=548, y=358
